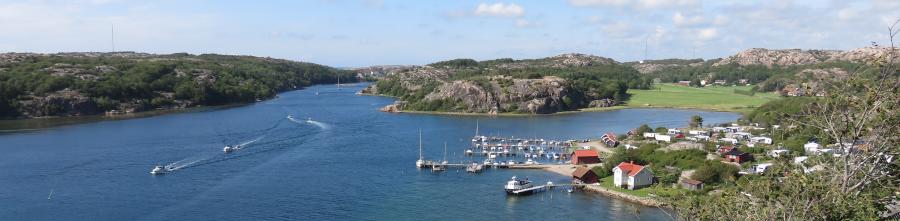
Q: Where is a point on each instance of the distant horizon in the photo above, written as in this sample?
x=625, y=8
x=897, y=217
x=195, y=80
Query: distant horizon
x=351, y=33
x=422, y=64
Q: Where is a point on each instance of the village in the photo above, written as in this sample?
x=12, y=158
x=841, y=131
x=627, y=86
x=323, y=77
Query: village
x=646, y=163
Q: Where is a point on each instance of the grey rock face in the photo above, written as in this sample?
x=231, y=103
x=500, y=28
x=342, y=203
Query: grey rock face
x=60, y=103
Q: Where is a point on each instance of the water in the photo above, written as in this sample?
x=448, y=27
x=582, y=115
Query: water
x=350, y=162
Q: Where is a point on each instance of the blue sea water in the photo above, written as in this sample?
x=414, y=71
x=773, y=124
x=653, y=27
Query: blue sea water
x=351, y=162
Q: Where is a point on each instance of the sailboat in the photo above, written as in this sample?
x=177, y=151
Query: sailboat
x=443, y=165
x=339, y=83
x=421, y=162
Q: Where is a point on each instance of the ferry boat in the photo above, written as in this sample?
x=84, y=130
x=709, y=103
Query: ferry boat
x=515, y=184
x=158, y=170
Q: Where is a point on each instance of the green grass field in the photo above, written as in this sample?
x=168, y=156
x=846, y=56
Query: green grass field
x=608, y=184
x=710, y=98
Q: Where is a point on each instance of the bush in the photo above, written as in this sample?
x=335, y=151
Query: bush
x=713, y=172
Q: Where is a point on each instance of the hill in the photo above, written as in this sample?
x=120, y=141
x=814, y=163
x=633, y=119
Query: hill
x=71, y=84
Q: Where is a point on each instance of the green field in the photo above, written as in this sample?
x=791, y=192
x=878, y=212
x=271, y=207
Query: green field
x=721, y=98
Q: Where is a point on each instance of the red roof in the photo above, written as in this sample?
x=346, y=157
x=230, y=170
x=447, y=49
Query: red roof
x=630, y=168
x=586, y=153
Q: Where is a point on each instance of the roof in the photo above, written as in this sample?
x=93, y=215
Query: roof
x=630, y=168
x=581, y=171
x=586, y=153
x=734, y=152
x=692, y=182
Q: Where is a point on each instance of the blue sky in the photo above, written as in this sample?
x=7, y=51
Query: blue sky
x=350, y=33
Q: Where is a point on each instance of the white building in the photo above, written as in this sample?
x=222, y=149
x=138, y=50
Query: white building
x=763, y=140
x=732, y=141
x=632, y=176
x=698, y=132
x=666, y=138
x=674, y=131
x=811, y=147
x=649, y=135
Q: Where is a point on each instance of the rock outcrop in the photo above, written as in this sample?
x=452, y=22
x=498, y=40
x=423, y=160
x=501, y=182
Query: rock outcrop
x=787, y=57
x=64, y=102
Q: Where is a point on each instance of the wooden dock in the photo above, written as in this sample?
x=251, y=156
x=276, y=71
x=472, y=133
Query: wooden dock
x=429, y=164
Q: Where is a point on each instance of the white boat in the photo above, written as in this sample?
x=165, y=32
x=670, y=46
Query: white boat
x=488, y=162
x=469, y=152
x=228, y=149
x=531, y=162
x=527, y=155
x=158, y=170
x=514, y=185
x=511, y=162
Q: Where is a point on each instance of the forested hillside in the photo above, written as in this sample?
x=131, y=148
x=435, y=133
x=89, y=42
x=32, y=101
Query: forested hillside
x=65, y=84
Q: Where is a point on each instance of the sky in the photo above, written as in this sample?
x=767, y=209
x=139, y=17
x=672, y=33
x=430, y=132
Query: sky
x=356, y=33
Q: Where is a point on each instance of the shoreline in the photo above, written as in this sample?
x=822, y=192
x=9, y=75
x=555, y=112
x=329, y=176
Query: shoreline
x=584, y=110
x=15, y=125
x=567, y=170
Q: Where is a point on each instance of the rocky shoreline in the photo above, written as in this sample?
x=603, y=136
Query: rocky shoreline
x=568, y=169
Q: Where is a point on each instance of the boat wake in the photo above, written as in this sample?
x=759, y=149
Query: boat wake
x=177, y=165
x=321, y=125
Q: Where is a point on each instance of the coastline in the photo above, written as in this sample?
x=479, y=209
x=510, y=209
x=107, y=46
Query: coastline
x=38, y=123
x=567, y=170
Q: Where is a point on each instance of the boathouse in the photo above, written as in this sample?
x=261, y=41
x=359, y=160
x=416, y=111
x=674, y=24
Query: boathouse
x=585, y=157
x=584, y=175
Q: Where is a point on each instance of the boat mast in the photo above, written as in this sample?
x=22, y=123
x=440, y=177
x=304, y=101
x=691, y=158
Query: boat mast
x=476, y=127
x=420, y=144
x=445, y=152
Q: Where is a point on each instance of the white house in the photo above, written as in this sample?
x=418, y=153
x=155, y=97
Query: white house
x=811, y=147
x=649, y=135
x=666, y=138
x=632, y=176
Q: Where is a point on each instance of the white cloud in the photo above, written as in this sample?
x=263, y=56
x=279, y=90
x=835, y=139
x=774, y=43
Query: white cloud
x=499, y=10
x=599, y=2
x=681, y=20
x=707, y=33
x=846, y=14
x=642, y=4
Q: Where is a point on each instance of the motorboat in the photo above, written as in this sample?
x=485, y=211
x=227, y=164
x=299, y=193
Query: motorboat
x=158, y=170
x=229, y=149
x=516, y=186
x=511, y=162
x=531, y=162
x=469, y=152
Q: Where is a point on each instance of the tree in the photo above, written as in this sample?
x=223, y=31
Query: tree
x=661, y=130
x=644, y=128
x=696, y=121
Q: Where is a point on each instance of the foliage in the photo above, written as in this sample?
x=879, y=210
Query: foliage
x=696, y=121
x=713, y=172
x=206, y=79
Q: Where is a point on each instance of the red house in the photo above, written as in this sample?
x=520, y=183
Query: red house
x=585, y=157
x=737, y=156
x=584, y=175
